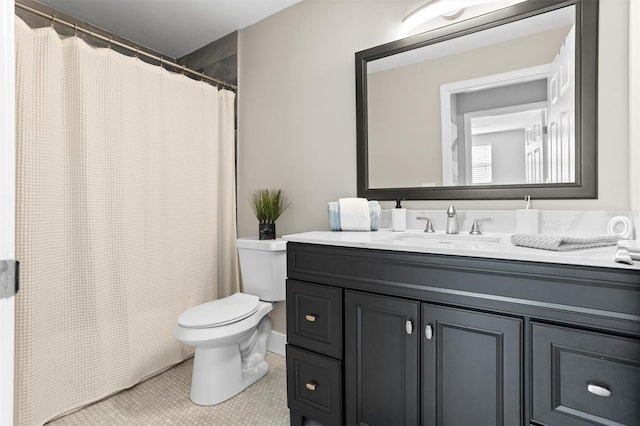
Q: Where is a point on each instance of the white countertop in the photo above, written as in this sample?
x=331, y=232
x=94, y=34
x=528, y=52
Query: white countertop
x=416, y=241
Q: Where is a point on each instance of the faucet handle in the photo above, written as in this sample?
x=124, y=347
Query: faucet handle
x=475, y=228
x=428, y=226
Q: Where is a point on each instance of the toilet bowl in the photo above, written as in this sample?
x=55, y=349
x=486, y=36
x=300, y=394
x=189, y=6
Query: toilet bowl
x=230, y=334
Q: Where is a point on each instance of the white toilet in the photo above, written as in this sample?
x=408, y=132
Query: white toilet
x=230, y=334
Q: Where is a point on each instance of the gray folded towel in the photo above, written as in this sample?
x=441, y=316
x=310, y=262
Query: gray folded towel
x=564, y=241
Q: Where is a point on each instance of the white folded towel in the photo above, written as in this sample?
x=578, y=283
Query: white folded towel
x=333, y=209
x=354, y=214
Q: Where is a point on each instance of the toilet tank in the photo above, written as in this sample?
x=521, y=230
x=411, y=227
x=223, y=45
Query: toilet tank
x=263, y=267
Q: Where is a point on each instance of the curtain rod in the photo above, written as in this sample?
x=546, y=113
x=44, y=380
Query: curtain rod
x=135, y=50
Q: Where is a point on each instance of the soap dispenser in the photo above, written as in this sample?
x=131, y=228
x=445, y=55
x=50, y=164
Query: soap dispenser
x=398, y=218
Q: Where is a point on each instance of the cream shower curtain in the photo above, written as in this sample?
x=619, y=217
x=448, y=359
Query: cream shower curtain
x=125, y=217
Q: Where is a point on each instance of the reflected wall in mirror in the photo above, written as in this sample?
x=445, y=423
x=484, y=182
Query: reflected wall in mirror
x=494, y=107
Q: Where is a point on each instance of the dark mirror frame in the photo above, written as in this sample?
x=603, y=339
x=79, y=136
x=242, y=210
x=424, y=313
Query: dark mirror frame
x=586, y=105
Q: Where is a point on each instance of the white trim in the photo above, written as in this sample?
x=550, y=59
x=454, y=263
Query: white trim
x=276, y=343
x=497, y=80
x=7, y=202
x=7, y=130
x=480, y=83
x=468, y=116
x=634, y=106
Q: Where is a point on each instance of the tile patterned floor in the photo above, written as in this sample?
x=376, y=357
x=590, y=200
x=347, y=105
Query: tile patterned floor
x=164, y=399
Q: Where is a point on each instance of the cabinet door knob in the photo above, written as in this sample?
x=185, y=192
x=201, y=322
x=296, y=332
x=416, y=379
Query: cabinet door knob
x=311, y=386
x=428, y=332
x=598, y=390
x=409, y=327
x=311, y=317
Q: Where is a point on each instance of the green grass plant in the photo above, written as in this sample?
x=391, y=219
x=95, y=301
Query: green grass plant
x=269, y=204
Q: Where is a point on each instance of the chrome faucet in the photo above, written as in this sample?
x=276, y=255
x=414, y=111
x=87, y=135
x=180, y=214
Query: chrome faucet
x=475, y=228
x=428, y=225
x=452, y=221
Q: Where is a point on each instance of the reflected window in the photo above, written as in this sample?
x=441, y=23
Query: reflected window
x=481, y=165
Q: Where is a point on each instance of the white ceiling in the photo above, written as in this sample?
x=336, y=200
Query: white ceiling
x=172, y=27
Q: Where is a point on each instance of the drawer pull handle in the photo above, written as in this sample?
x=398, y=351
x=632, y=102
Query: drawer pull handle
x=428, y=332
x=311, y=386
x=408, y=326
x=598, y=390
x=311, y=317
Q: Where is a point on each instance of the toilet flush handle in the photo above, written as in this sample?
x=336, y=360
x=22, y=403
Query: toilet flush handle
x=311, y=317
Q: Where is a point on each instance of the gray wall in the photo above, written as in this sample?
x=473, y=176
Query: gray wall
x=296, y=110
x=217, y=59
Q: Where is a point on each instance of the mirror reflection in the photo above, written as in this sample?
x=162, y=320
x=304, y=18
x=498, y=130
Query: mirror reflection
x=495, y=107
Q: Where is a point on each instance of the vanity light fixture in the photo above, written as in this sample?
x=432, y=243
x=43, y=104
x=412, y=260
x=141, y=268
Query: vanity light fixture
x=448, y=9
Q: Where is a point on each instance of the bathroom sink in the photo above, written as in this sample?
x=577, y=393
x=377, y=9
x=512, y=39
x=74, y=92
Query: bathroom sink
x=440, y=239
x=425, y=236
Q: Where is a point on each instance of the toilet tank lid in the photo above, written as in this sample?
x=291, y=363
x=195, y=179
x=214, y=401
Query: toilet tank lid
x=256, y=244
x=220, y=312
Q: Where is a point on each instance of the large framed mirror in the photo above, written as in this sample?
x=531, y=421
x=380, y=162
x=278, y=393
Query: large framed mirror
x=499, y=106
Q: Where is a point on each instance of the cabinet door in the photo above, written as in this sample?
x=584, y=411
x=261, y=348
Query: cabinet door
x=471, y=368
x=381, y=360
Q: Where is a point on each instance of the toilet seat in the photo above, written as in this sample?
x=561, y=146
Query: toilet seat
x=220, y=312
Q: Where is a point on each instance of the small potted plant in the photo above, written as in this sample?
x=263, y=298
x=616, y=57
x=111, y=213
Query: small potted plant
x=268, y=205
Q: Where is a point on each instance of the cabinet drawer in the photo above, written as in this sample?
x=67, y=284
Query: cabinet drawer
x=314, y=317
x=314, y=386
x=584, y=378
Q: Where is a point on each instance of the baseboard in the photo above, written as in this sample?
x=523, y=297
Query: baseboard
x=276, y=343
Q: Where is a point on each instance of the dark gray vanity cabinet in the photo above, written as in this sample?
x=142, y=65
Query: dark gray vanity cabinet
x=378, y=337
x=382, y=363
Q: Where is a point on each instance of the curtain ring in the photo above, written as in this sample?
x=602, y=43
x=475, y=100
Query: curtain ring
x=109, y=43
x=53, y=21
x=161, y=62
x=184, y=68
x=137, y=52
x=75, y=30
x=202, y=76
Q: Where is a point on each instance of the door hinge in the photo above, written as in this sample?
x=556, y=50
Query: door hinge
x=9, y=278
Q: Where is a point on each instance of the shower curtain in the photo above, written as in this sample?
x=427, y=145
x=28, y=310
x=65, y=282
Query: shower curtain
x=125, y=217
